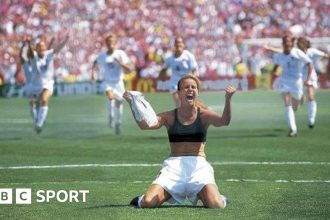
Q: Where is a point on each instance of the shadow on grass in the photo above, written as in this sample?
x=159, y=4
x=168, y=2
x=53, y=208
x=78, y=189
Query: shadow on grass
x=181, y=206
x=108, y=206
x=127, y=205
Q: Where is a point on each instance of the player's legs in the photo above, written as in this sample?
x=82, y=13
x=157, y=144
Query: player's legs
x=290, y=113
x=312, y=105
x=33, y=108
x=29, y=92
x=110, y=104
x=118, y=112
x=295, y=104
x=154, y=197
x=211, y=197
x=43, y=109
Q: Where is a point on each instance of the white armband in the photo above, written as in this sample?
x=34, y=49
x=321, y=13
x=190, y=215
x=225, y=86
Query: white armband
x=142, y=109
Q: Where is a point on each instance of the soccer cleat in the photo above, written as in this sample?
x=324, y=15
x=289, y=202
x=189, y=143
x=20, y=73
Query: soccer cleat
x=225, y=200
x=292, y=133
x=38, y=129
x=118, y=130
x=135, y=202
x=311, y=126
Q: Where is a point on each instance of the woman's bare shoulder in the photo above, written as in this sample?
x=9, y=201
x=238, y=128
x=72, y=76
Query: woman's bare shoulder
x=167, y=117
x=167, y=113
x=207, y=112
x=208, y=116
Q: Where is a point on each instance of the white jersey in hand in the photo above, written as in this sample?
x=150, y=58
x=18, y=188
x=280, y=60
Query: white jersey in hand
x=109, y=67
x=181, y=65
x=142, y=109
x=292, y=64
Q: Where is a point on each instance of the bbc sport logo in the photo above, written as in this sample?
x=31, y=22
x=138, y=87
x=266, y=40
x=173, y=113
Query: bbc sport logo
x=24, y=196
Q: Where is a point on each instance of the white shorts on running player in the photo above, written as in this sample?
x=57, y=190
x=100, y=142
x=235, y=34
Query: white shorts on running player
x=185, y=177
x=118, y=88
x=36, y=89
x=294, y=87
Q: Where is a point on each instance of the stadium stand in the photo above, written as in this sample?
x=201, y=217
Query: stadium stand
x=213, y=30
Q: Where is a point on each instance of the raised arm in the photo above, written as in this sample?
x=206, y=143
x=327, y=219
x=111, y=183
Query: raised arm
x=51, y=42
x=224, y=119
x=62, y=44
x=30, y=51
x=272, y=49
x=21, y=52
x=143, y=124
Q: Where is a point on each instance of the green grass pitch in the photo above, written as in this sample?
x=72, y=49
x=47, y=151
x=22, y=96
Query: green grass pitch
x=76, y=132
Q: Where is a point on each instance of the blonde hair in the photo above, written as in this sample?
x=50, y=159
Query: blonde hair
x=108, y=37
x=303, y=43
x=198, y=82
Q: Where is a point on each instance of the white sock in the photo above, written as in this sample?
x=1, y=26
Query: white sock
x=118, y=114
x=312, y=109
x=110, y=104
x=290, y=116
x=42, y=114
x=140, y=200
x=33, y=111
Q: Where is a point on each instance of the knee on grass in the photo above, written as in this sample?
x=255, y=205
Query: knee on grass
x=216, y=203
x=150, y=202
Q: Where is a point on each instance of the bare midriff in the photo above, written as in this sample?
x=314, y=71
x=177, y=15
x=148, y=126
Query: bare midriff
x=179, y=149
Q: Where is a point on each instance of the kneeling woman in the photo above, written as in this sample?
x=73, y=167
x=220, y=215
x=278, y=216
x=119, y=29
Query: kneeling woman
x=186, y=173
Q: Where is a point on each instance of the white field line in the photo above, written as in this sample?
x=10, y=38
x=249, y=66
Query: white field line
x=277, y=181
x=73, y=119
x=149, y=182
x=158, y=165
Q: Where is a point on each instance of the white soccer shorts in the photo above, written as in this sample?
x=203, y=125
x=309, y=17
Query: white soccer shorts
x=36, y=89
x=295, y=88
x=118, y=88
x=185, y=177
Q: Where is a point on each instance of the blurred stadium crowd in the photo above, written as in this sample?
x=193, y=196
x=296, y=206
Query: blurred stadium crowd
x=213, y=30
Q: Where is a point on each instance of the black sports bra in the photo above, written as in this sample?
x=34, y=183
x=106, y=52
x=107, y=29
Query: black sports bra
x=194, y=132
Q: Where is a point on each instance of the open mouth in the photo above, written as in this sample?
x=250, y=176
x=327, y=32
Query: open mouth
x=190, y=97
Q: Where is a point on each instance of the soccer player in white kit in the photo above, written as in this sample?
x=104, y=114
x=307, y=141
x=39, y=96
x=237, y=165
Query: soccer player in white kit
x=43, y=82
x=311, y=86
x=31, y=79
x=113, y=63
x=292, y=60
x=180, y=63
